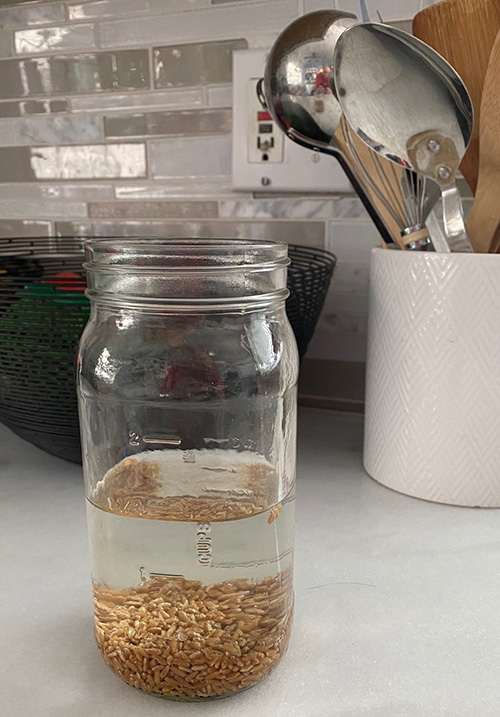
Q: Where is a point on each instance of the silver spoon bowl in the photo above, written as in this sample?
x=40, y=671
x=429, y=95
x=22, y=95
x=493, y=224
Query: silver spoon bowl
x=407, y=103
x=298, y=91
x=298, y=80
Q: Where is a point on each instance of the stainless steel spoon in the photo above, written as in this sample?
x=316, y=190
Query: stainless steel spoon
x=297, y=89
x=308, y=111
x=407, y=103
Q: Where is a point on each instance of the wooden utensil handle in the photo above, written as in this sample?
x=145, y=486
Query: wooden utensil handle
x=365, y=155
x=483, y=221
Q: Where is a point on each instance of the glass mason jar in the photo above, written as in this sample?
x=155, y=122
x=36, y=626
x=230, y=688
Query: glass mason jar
x=187, y=377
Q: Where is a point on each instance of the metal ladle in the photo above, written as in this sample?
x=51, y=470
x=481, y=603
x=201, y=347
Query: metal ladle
x=310, y=116
x=308, y=119
x=408, y=104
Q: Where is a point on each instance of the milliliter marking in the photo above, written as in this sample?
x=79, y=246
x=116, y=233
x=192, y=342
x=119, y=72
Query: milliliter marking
x=135, y=440
x=154, y=576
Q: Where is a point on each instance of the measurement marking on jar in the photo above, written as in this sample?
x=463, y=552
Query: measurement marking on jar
x=164, y=441
x=153, y=576
x=204, y=543
x=135, y=440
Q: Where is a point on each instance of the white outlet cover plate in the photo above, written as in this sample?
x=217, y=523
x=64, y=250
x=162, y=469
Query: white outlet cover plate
x=290, y=168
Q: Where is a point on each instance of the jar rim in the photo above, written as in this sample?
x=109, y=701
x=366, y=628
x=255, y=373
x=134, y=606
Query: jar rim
x=222, y=242
x=186, y=270
x=176, y=253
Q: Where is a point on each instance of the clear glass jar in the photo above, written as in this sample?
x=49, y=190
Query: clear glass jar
x=187, y=379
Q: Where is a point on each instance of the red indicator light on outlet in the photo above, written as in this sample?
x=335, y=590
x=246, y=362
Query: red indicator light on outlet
x=264, y=117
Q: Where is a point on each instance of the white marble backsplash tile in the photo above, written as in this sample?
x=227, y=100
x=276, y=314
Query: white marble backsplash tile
x=88, y=161
x=341, y=333
x=173, y=187
x=19, y=208
x=198, y=157
x=278, y=209
x=172, y=99
x=28, y=14
x=310, y=234
x=47, y=191
x=352, y=241
x=25, y=228
x=388, y=9
x=220, y=96
x=54, y=129
x=349, y=207
x=116, y=8
x=64, y=38
x=215, y=23
x=351, y=278
x=313, y=5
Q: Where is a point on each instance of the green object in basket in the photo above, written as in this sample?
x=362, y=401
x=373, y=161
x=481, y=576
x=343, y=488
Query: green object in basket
x=40, y=333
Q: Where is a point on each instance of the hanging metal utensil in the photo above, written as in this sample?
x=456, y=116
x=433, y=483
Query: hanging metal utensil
x=298, y=91
x=407, y=103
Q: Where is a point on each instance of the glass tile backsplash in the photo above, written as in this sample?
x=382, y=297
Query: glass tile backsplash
x=75, y=74
x=115, y=119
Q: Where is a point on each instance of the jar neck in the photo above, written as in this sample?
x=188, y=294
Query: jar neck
x=186, y=275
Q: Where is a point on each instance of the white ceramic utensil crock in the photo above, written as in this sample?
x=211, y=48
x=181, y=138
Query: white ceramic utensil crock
x=433, y=376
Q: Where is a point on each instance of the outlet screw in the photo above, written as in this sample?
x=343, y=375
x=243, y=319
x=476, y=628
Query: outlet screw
x=444, y=173
x=265, y=181
x=433, y=146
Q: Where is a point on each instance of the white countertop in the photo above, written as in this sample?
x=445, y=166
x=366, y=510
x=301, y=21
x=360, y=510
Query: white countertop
x=397, y=612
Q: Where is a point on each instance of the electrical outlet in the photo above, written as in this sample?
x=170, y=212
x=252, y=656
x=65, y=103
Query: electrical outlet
x=264, y=158
x=265, y=139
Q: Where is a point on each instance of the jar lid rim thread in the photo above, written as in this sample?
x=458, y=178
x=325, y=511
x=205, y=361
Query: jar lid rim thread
x=156, y=304
x=91, y=267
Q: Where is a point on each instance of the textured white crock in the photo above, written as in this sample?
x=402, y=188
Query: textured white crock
x=433, y=376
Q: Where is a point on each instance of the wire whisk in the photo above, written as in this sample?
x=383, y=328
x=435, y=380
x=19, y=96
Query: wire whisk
x=406, y=196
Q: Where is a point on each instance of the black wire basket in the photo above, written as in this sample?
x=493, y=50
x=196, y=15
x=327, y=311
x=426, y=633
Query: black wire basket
x=43, y=311
x=309, y=276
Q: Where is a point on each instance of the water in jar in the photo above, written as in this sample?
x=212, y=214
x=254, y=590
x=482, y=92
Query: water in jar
x=191, y=564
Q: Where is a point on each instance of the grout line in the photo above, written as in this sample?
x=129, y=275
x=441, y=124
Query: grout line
x=149, y=161
x=97, y=35
x=151, y=65
x=326, y=235
x=12, y=44
x=102, y=128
